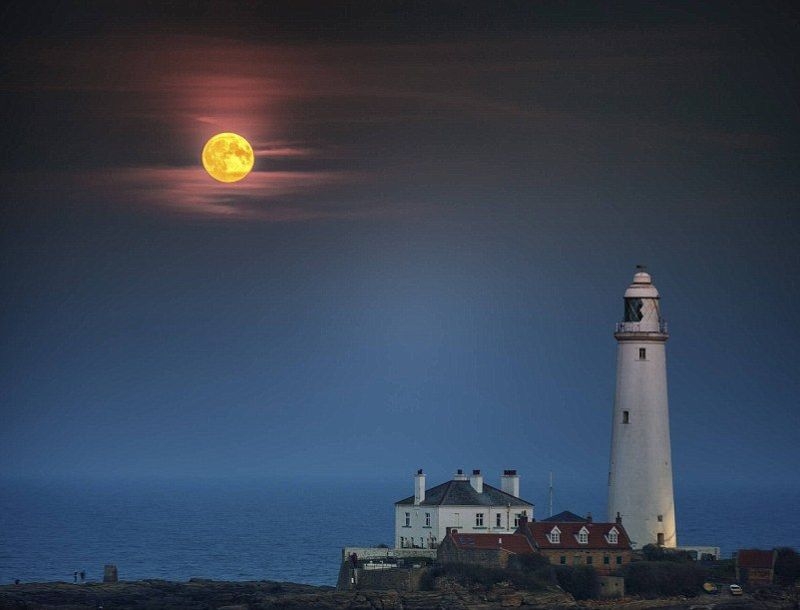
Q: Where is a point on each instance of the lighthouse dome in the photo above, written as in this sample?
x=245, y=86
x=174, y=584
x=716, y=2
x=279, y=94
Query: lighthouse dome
x=641, y=287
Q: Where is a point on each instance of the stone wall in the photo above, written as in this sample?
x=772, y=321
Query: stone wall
x=386, y=553
x=450, y=553
x=594, y=558
x=397, y=579
x=611, y=586
x=383, y=568
x=755, y=576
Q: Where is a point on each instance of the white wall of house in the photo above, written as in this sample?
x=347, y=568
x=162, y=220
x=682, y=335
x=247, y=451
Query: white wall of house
x=417, y=533
x=463, y=518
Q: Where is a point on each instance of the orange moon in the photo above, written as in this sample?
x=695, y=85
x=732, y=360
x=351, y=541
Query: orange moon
x=228, y=157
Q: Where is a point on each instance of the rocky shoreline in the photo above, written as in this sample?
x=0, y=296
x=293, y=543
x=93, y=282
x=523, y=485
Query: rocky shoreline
x=265, y=595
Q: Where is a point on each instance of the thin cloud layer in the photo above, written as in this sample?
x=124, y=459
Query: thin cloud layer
x=353, y=113
x=268, y=196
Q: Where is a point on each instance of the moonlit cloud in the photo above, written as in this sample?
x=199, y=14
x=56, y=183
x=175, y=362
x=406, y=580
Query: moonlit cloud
x=329, y=115
x=268, y=196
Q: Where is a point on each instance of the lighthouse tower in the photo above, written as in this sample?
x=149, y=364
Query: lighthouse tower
x=640, y=474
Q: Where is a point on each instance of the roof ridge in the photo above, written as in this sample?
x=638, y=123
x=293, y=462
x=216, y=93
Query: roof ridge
x=449, y=485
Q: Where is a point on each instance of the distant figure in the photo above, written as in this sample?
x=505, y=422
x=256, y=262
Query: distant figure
x=83, y=575
x=75, y=577
x=110, y=573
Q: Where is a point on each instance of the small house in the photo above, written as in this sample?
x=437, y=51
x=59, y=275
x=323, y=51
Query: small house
x=485, y=549
x=568, y=539
x=755, y=567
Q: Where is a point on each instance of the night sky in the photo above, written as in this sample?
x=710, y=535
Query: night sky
x=425, y=267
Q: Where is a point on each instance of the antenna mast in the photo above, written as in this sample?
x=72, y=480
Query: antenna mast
x=551, y=493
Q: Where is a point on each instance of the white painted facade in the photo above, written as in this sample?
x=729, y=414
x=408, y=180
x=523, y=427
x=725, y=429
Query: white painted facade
x=640, y=472
x=425, y=526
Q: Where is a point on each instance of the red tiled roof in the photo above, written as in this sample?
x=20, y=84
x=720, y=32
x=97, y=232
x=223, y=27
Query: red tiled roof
x=538, y=531
x=513, y=543
x=753, y=558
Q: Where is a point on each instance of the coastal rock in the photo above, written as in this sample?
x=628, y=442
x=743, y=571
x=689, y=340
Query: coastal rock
x=265, y=595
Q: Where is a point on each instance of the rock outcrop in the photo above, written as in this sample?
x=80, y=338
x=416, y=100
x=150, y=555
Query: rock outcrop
x=208, y=594
x=200, y=594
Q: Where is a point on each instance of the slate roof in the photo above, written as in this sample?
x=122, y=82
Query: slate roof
x=753, y=558
x=566, y=517
x=461, y=493
x=513, y=543
x=538, y=531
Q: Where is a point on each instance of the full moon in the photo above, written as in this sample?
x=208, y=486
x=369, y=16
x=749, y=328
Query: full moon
x=228, y=157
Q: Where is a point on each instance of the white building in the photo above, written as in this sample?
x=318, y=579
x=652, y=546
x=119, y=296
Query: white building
x=465, y=503
x=640, y=473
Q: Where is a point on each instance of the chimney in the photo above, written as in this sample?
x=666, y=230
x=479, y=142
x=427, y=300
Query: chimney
x=509, y=482
x=476, y=480
x=523, y=520
x=419, y=487
x=460, y=476
x=619, y=519
x=589, y=518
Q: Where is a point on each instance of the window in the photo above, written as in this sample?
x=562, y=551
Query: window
x=478, y=519
x=642, y=353
x=613, y=536
x=499, y=520
x=589, y=560
x=516, y=519
x=633, y=310
x=427, y=519
x=606, y=560
x=554, y=536
x=661, y=517
x=626, y=417
x=583, y=536
x=563, y=560
x=402, y=542
x=619, y=560
x=408, y=519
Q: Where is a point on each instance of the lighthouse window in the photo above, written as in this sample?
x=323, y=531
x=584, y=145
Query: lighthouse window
x=633, y=310
x=626, y=417
x=642, y=353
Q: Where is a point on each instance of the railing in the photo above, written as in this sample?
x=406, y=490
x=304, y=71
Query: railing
x=641, y=327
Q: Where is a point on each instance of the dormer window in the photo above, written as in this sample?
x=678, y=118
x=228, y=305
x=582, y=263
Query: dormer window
x=554, y=536
x=613, y=536
x=583, y=536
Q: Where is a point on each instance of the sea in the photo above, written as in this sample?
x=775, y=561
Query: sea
x=293, y=530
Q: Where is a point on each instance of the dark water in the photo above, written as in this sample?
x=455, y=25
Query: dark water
x=284, y=531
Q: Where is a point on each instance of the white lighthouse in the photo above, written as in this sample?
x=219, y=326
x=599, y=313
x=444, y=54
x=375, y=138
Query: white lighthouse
x=640, y=473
